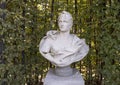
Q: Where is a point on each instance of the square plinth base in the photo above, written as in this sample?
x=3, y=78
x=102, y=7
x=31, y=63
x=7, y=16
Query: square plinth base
x=53, y=79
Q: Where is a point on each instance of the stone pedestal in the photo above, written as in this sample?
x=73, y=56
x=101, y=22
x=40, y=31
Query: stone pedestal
x=55, y=77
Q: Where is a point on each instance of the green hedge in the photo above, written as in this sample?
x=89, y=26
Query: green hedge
x=27, y=21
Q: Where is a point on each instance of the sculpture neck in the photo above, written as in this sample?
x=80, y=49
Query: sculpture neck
x=65, y=34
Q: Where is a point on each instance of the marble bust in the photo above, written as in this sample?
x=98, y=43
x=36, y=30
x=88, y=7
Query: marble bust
x=62, y=48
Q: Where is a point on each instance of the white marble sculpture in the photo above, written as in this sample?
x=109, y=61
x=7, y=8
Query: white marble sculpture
x=62, y=49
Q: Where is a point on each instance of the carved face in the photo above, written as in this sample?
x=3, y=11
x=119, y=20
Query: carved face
x=65, y=22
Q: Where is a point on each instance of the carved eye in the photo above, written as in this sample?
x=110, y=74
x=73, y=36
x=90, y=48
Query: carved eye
x=65, y=21
x=60, y=21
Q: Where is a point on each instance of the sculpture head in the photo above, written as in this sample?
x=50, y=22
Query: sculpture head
x=65, y=21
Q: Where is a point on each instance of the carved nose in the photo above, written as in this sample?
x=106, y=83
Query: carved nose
x=62, y=25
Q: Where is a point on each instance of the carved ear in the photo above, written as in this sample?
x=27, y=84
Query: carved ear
x=41, y=44
x=45, y=52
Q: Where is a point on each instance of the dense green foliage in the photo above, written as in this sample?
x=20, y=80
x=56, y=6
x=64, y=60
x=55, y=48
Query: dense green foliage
x=27, y=21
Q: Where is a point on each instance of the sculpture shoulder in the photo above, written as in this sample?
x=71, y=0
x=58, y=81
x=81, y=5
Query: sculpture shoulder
x=50, y=36
x=47, y=41
x=77, y=40
x=75, y=37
